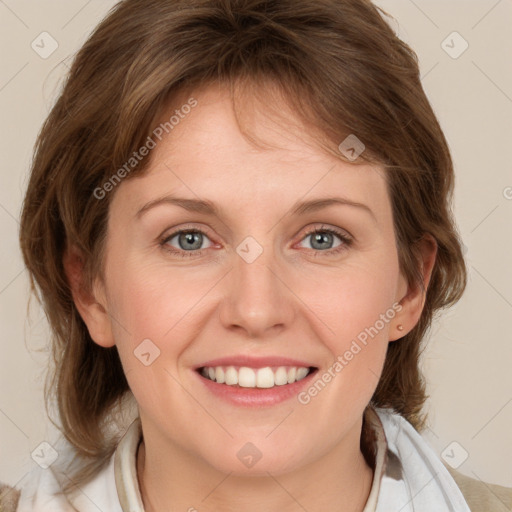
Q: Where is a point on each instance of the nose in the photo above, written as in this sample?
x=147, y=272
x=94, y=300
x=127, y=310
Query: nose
x=257, y=300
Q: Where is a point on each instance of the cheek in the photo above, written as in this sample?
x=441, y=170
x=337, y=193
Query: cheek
x=151, y=311
x=353, y=310
x=350, y=302
x=156, y=304
x=151, y=298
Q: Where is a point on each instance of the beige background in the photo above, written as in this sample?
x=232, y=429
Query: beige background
x=468, y=360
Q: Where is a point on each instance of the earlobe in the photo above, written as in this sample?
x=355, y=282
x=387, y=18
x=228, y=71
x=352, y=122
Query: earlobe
x=91, y=304
x=413, y=301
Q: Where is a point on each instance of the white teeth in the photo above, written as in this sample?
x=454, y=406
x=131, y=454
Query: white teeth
x=255, y=377
x=301, y=373
x=281, y=376
x=246, y=377
x=219, y=375
x=231, y=376
x=264, y=378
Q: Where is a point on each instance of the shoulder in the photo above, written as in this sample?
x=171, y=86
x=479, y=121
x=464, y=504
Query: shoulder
x=46, y=489
x=423, y=462
x=41, y=490
x=38, y=491
x=9, y=497
x=482, y=496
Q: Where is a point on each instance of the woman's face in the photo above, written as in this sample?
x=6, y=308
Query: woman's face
x=250, y=282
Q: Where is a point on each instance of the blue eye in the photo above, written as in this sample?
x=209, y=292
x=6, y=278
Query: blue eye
x=319, y=238
x=190, y=242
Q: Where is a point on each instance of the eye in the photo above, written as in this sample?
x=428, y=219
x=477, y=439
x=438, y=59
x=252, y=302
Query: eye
x=189, y=242
x=322, y=239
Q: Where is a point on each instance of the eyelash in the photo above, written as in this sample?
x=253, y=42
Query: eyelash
x=345, y=239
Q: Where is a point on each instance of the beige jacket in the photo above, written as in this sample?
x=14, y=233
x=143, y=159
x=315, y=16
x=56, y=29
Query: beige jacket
x=482, y=496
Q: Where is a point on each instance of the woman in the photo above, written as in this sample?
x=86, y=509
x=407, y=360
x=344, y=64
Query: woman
x=197, y=159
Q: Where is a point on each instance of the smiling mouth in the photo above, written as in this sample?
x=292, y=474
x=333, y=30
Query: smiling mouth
x=262, y=378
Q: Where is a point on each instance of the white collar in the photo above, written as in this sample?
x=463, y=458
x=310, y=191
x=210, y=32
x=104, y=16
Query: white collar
x=414, y=479
x=408, y=475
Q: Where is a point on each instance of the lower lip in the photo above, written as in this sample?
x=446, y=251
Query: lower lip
x=256, y=397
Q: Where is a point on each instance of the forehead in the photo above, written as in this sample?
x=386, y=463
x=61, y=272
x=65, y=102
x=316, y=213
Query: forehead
x=205, y=155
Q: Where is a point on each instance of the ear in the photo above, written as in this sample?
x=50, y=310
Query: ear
x=91, y=304
x=413, y=300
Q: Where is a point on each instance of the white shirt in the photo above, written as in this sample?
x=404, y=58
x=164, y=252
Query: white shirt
x=408, y=476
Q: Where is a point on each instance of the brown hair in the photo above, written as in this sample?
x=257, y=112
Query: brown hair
x=341, y=68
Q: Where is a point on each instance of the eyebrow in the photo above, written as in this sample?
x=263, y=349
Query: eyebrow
x=208, y=208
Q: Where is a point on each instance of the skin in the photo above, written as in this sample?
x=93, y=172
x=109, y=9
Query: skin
x=294, y=300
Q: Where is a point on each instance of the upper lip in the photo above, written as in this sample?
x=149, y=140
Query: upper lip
x=254, y=362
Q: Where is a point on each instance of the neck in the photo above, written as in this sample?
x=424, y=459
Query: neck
x=318, y=487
